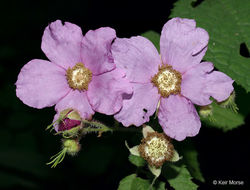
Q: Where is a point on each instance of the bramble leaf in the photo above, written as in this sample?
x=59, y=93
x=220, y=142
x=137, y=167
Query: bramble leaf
x=179, y=177
x=137, y=160
x=223, y=118
x=190, y=158
x=228, y=25
x=132, y=182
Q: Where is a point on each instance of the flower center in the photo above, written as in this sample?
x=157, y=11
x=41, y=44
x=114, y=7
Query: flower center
x=156, y=148
x=167, y=80
x=79, y=77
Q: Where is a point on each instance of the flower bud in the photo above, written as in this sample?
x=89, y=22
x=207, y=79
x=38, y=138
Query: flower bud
x=206, y=111
x=72, y=146
x=230, y=103
x=69, y=123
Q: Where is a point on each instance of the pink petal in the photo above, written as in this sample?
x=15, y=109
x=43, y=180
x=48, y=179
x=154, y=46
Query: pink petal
x=182, y=44
x=106, y=91
x=62, y=43
x=76, y=100
x=137, y=56
x=137, y=109
x=41, y=84
x=96, y=50
x=219, y=85
x=199, y=83
x=178, y=117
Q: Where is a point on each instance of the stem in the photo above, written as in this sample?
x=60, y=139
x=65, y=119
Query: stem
x=95, y=126
x=152, y=184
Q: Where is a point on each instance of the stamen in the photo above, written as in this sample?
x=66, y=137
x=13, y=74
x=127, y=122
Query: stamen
x=167, y=80
x=79, y=77
x=156, y=148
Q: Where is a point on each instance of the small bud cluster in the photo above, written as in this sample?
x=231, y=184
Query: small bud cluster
x=72, y=127
x=73, y=146
x=230, y=103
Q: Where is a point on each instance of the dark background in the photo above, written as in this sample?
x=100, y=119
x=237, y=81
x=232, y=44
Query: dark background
x=25, y=146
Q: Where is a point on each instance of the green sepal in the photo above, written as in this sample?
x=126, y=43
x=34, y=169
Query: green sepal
x=175, y=157
x=57, y=158
x=51, y=126
x=134, y=150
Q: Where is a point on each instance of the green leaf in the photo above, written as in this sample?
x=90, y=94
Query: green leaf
x=137, y=160
x=140, y=184
x=154, y=37
x=228, y=25
x=127, y=182
x=190, y=158
x=179, y=177
x=161, y=186
x=223, y=118
x=132, y=182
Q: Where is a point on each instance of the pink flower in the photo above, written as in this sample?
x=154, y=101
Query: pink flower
x=177, y=78
x=81, y=73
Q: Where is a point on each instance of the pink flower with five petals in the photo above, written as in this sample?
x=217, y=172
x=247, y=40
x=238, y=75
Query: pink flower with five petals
x=176, y=79
x=81, y=73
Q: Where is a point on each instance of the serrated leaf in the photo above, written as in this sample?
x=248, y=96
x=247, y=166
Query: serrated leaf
x=223, y=118
x=126, y=183
x=132, y=182
x=140, y=184
x=179, y=177
x=190, y=158
x=154, y=37
x=137, y=160
x=228, y=25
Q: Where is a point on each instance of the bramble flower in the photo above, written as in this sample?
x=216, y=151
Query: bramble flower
x=156, y=148
x=172, y=81
x=81, y=73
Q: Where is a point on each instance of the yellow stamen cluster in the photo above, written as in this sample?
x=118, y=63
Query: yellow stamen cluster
x=79, y=77
x=167, y=80
x=156, y=148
